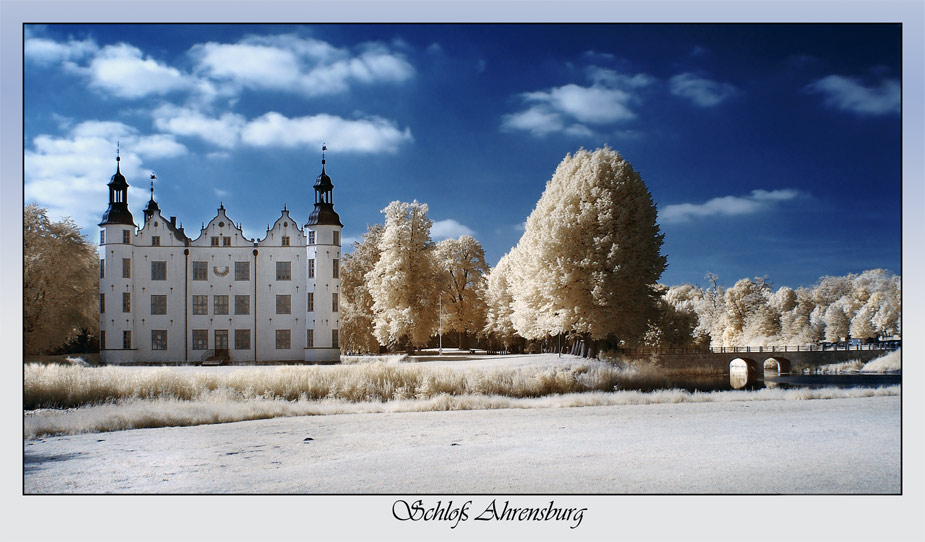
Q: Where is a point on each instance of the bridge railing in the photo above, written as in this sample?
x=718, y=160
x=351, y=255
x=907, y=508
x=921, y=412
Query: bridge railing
x=646, y=350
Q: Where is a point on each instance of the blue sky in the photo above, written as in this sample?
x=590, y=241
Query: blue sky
x=770, y=150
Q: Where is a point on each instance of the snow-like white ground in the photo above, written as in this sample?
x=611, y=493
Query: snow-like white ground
x=815, y=446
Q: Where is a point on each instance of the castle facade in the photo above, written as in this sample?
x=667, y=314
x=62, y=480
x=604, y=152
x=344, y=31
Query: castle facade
x=169, y=298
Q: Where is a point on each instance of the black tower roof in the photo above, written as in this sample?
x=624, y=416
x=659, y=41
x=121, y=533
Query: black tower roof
x=324, y=214
x=118, y=212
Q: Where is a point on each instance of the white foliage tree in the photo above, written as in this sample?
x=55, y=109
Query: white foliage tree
x=403, y=284
x=462, y=262
x=500, y=304
x=590, y=256
x=357, y=320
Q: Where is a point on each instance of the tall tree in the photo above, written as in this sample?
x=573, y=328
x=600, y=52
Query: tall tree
x=463, y=268
x=500, y=304
x=403, y=284
x=60, y=282
x=356, y=311
x=590, y=256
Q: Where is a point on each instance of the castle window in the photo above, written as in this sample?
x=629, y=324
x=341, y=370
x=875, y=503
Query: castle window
x=126, y=302
x=335, y=343
x=283, y=304
x=102, y=303
x=126, y=340
x=285, y=240
x=200, y=270
x=200, y=304
x=102, y=236
x=242, y=304
x=226, y=241
x=158, y=304
x=102, y=339
x=311, y=301
x=283, y=270
x=126, y=268
x=336, y=269
x=311, y=338
x=158, y=339
x=155, y=241
x=242, y=270
x=102, y=268
x=334, y=302
x=283, y=339
x=311, y=238
x=242, y=339
x=126, y=237
x=311, y=268
x=220, y=304
x=214, y=240
x=158, y=270
x=200, y=339
x=337, y=238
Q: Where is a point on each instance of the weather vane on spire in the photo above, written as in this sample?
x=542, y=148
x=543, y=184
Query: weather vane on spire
x=118, y=151
x=324, y=147
x=153, y=178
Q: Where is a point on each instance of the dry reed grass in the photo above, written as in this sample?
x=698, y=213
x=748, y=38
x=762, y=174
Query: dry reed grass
x=222, y=406
x=59, y=386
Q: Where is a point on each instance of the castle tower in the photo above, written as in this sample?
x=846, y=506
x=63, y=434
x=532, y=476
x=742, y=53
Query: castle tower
x=117, y=232
x=323, y=285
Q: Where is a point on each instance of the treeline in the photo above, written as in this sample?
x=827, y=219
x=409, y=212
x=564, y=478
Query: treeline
x=585, y=269
x=584, y=275
x=864, y=306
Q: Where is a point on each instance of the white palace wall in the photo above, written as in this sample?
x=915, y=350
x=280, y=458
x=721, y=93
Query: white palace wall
x=219, y=295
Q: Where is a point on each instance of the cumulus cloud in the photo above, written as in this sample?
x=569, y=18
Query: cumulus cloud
x=68, y=175
x=122, y=70
x=302, y=65
x=849, y=94
x=285, y=63
x=571, y=107
x=223, y=131
x=699, y=90
x=367, y=135
x=449, y=228
x=46, y=51
x=757, y=201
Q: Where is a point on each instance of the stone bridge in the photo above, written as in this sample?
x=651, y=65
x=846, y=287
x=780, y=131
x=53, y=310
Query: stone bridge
x=757, y=359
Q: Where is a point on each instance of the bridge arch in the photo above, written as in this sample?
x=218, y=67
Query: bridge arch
x=742, y=371
x=782, y=365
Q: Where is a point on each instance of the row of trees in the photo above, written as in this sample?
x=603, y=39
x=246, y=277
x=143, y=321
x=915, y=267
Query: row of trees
x=751, y=313
x=400, y=288
x=585, y=268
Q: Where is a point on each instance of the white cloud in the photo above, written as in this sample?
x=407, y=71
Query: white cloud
x=598, y=105
x=301, y=65
x=285, y=63
x=46, y=51
x=68, y=175
x=368, y=135
x=223, y=131
x=121, y=70
x=449, y=228
x=757, y=201
x=848, y=94
x=537, y=120
x=701, y=91
x=571, y=107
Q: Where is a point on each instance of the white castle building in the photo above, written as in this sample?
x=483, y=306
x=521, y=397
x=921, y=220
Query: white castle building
x=221, y=297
